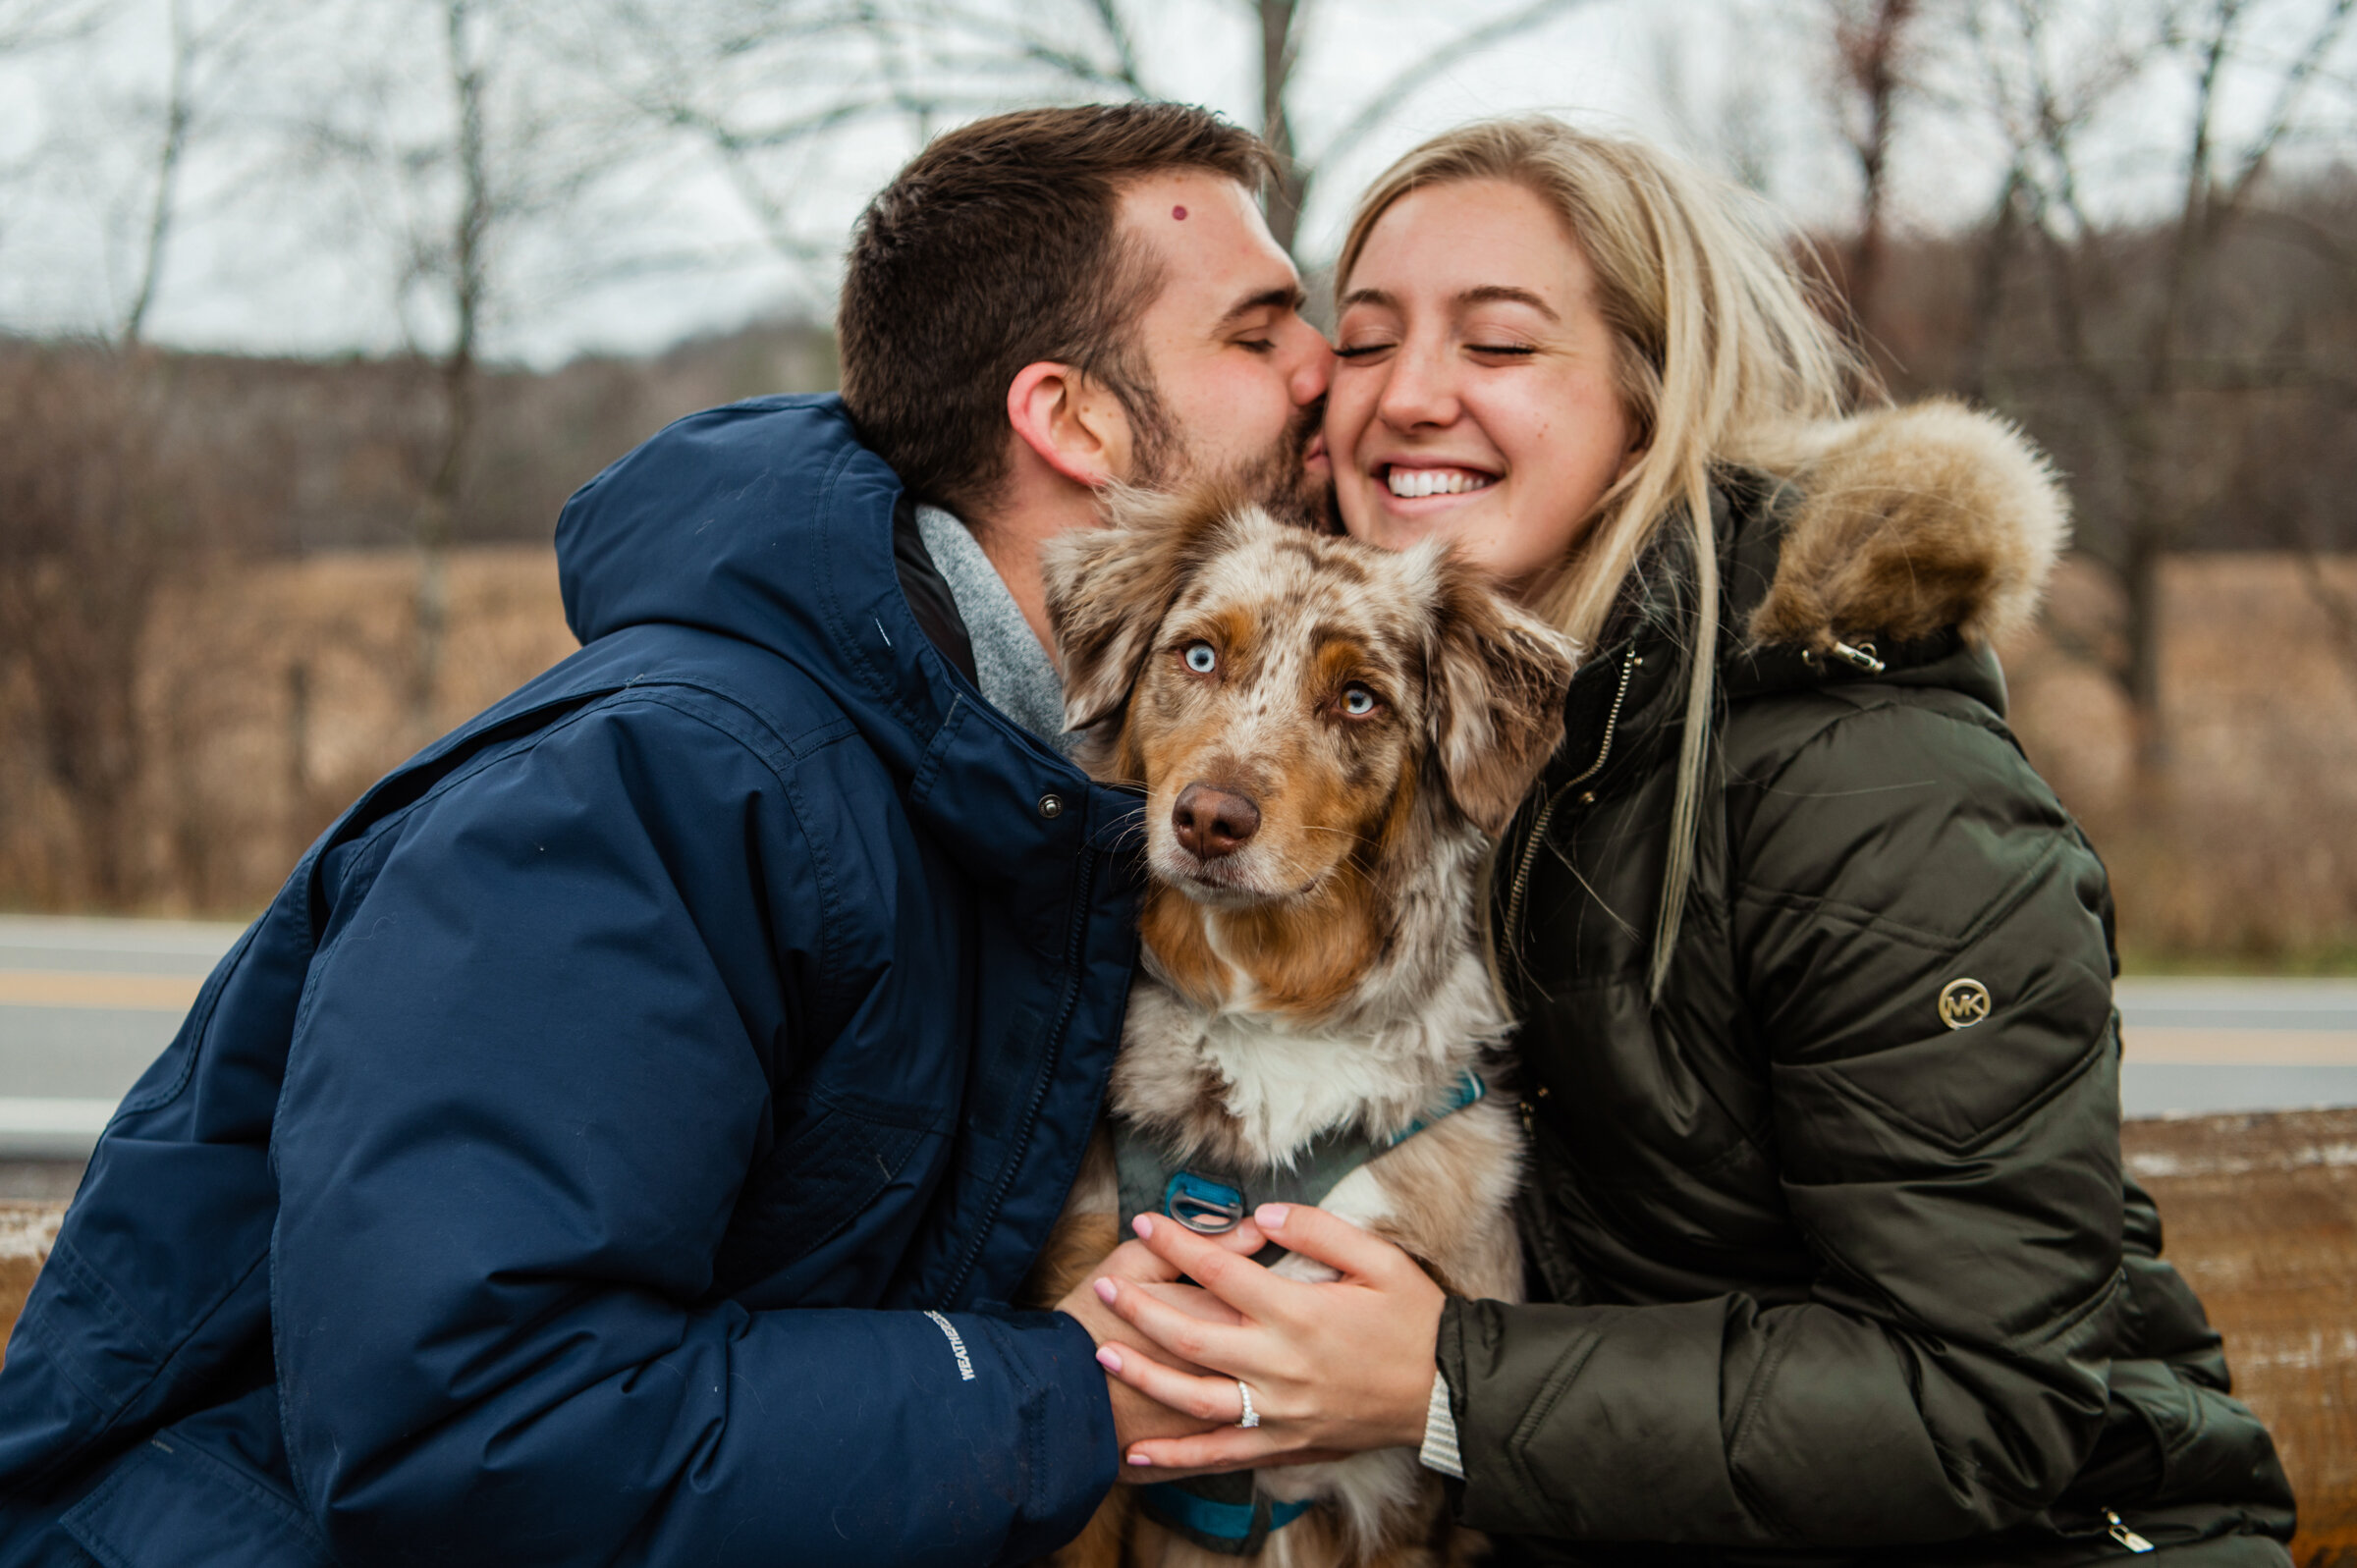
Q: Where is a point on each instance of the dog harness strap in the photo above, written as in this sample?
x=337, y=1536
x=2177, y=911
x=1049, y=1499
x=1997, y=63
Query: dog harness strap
x=1468, y=1092
x=1217, y=1523
x=1213, y=1200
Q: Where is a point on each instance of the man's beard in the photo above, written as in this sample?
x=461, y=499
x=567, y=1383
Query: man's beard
x=1277, y=478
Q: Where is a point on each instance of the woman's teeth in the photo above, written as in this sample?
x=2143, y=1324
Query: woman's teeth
x=1412, y=482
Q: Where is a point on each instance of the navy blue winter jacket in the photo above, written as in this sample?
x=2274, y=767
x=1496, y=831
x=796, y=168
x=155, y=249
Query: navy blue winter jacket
x=615, y=1143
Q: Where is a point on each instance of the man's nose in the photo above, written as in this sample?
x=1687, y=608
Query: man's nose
x=1315, y=372
x=1212, y=822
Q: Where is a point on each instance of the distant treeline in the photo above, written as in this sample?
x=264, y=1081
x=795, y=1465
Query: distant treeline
x=331, y=455
x=177, y=717
x=335, y=455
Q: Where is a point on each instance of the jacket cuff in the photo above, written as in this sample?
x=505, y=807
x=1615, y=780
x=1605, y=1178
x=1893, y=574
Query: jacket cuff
x=1440, y=1452
x=1069, y=1454
x=1591, y=1423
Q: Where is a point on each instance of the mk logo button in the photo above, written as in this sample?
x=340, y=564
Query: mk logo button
x=1963, y=1003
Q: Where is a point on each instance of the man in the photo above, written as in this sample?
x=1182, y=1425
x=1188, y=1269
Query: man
x=618, y=1141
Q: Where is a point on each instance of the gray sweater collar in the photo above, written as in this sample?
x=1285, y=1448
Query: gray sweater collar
x=1016, y=675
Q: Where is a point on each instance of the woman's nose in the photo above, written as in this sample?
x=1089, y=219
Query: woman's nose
x=1416, y=391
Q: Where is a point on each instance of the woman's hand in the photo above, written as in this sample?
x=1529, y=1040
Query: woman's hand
x=1137, y=1416
x=1335, y=1368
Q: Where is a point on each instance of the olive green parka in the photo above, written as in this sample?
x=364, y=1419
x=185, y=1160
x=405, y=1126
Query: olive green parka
x=1833, y=1258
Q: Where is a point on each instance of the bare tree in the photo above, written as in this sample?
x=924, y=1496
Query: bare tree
x=459, y=167
x=27, y=24
x=204, y=58
x=2123, y=314
x=762, y=87
x=1874, y=43
x=1281, y=28
x=90, y=520
x=461, y=264
x=757, y=81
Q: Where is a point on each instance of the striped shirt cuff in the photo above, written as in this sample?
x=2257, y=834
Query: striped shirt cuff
x=1440, y=1431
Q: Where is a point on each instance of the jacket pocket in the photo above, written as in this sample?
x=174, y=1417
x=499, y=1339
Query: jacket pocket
x=807, y=1191
x=2212, y=1449
x=169, y=1502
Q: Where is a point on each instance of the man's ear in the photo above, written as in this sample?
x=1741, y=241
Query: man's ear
x=1496, y=677
x=1072, y=421
x=1109, y=589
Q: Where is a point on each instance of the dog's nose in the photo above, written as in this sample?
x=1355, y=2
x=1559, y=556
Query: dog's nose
x=1212, y=823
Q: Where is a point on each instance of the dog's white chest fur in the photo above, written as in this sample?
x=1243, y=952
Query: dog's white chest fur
x=1277, y=1083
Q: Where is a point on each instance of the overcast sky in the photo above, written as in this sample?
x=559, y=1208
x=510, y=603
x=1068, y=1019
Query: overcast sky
x=294, y=238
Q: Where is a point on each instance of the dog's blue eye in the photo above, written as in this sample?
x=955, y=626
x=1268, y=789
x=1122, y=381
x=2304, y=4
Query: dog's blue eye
x=1201, y=659
x=1357, y=701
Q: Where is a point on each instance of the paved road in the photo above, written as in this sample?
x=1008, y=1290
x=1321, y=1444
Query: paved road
x=85, y=1004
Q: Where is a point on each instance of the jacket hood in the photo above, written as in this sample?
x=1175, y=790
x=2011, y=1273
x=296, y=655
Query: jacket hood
x=1928, y=532
x=767, y=521
x=1910, y=522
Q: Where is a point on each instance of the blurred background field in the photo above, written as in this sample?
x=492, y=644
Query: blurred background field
x=269, y=694
x=312, y=315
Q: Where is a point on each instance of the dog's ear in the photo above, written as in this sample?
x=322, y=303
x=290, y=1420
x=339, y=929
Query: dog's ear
x=1496, y=677
x=1109, y=588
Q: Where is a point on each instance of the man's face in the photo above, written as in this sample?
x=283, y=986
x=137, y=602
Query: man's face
x=1230, y=367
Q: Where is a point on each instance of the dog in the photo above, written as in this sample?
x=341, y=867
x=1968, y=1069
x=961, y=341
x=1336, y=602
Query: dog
x=1329, y=737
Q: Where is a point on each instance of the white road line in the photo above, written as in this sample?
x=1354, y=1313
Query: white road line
x=2239, y=1047
x=114, y=993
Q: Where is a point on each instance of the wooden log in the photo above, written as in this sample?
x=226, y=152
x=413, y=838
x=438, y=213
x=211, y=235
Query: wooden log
x=26, y=1231
x=2260, y=1212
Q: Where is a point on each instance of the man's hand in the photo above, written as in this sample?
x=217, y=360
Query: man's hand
x=1137, y=1418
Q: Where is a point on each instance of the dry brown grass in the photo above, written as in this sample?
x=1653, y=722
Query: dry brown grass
x=2245, y=853
x=272, y=696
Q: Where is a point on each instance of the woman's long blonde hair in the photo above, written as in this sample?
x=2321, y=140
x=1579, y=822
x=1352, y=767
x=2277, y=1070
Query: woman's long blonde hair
x=1723, y=358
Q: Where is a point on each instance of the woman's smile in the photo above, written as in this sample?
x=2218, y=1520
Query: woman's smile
x=1408, y=481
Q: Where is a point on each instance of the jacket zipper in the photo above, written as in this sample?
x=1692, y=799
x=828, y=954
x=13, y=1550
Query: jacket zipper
x=1538, y=827
x=1073, y=945
x=2121, y=1533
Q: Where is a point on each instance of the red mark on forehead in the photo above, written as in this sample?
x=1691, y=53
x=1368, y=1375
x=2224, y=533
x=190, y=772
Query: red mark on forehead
x=1179, y=213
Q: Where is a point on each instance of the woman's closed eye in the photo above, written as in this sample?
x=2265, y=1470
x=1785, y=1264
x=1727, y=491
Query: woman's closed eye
x=1492, y=350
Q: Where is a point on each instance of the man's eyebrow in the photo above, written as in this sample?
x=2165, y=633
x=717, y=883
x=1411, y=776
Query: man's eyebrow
x=1287, y=298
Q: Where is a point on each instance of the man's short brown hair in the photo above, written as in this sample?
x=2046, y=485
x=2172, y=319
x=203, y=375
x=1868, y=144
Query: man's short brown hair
x=998, y=246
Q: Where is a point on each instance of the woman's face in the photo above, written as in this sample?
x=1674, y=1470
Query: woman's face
x=1474, y=400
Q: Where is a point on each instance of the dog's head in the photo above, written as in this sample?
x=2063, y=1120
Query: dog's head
x=1292, y=702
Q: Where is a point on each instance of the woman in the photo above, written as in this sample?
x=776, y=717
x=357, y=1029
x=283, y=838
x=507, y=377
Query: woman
x=1833, y=1258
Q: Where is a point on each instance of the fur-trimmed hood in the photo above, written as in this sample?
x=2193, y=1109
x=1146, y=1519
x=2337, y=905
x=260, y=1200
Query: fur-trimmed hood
x=1910, y=521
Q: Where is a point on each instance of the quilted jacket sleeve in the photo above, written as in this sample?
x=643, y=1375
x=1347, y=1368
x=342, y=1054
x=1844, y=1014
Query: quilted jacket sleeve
x=1959, y=1187
x=527, y=1087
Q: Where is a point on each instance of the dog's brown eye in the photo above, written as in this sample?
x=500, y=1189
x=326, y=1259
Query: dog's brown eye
x=1201, y=658
x=1357, y=701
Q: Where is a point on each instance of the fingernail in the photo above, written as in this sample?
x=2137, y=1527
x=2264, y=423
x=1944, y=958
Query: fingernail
x=1104, y=1289
x=1272, y=1215
x=1139, y=1459
x=1143, y=1224
x=1110, y=1359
